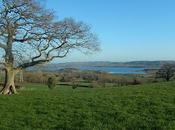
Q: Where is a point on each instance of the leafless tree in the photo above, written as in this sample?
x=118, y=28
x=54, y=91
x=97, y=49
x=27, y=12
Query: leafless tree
x=30, y=35
x=166, y=72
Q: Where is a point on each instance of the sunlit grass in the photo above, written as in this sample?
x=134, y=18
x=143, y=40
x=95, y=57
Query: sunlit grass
x=134, y=107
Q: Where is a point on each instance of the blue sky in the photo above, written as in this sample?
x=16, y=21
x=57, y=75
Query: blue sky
x=127, y=29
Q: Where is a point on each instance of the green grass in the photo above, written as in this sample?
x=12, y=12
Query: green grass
x=134, y=107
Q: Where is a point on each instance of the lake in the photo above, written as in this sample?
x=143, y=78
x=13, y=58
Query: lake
x=115, y=70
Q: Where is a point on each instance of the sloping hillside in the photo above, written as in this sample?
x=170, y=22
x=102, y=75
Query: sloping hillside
x=131, y=108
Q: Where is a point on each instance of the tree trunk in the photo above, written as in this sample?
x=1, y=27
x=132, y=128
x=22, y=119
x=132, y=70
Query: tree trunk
x=21, y=77
x=9, y=84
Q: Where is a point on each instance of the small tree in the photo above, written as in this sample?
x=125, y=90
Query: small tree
x=135, y=81
x=166, y=72
x=51, y=82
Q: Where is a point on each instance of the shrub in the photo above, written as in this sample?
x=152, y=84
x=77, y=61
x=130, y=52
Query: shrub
x=135, y=81
x=122, y=82
x=74, y=85
x=94, y=84
x=101, y=83
x=51, y=82
x=35, y=77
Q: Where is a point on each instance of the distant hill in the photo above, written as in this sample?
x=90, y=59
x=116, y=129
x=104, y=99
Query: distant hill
x=141, y=64
x=148, y=65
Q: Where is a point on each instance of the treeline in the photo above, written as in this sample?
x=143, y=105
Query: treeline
x=93, y=79
x=89, y=77
x=165, y=73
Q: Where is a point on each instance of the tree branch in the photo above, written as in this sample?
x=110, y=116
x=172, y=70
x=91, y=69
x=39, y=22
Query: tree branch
x=33, y=63
x=32, y=35
x=3, y=46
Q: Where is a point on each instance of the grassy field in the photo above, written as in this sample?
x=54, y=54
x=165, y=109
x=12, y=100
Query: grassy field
x=149, y=106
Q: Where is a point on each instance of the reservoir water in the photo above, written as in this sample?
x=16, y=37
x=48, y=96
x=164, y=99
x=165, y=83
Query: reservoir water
x=115, y=70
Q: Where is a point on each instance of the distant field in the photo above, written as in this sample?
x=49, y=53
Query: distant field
x=149, y=106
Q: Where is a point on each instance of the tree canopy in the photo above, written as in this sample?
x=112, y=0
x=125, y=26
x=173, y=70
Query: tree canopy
x=31, y=35
x=166, y=72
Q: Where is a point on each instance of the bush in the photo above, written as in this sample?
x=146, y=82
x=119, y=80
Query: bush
x=101, y=83
x=51, y=82
x=123, y=82
x=74, y=85
x=135, y=81
x=94, y=84
x=36, y=77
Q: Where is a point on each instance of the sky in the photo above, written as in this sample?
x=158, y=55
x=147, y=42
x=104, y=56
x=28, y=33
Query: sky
x=128, y=30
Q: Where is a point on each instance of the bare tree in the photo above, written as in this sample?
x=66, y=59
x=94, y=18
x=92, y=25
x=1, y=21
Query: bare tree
x=30, y=35
x=166, y=72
